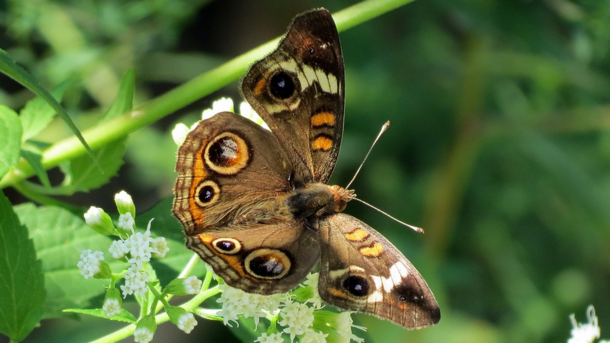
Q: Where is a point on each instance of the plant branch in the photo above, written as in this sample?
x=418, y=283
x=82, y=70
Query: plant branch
x=181, y=96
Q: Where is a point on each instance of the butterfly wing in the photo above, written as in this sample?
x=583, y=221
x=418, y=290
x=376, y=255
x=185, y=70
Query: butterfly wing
x=262, y=259
x=363, y=271
x=229, y=170
x=299, y=91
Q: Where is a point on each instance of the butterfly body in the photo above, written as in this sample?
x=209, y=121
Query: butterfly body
x=255, y=204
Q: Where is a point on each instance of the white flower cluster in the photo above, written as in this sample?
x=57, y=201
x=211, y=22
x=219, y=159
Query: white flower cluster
x=181, y=130
x=135, y=282
x=90, y=262
x=294, y=319
x=587, y=332
x=187, y=322
x=237, y=302
x=139, y=247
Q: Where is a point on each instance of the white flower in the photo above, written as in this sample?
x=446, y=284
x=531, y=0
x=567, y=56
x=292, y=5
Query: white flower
x=93, y=216
x=344, y=324
x=297, y=318
x=585, y=333
x=311, y=336
x=118, y=249
x=112, y=302
x=142, y=335
x=237, y=302
x=220, y=105
x=192, y=285
x=111, y=307
x=126, y=222
x=273, y=338
x=312, y=282
x=145, y=329
x=159, y=247
x=90, y=262
x=248, y=112
x=179, y=133
x=124, y=203
x=187, y=322
x=135, y=282
x=233, y=301
x=139, y=245
x=99, y=220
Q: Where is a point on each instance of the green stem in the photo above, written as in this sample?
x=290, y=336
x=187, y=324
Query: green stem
x=181, y=96
x=26, y=189
x=158, y=296
x=186, y=271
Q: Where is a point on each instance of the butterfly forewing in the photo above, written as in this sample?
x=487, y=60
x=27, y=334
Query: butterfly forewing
x=299, y=90
x=219, y=172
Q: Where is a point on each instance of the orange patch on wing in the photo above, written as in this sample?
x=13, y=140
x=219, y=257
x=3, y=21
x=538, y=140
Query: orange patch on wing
x=207, y=239
x=199, y=166
x=234, y=262
x=337, y=293
x=374, y=250
x=260, y=86
x=196, y=211
x=322, y=143
x=357, y=235
x=323, y=118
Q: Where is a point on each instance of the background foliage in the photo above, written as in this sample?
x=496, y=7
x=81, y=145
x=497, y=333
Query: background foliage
x=498, y=145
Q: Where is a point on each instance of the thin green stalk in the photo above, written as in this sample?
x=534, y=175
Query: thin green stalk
x=31, y=192
x=182, y=96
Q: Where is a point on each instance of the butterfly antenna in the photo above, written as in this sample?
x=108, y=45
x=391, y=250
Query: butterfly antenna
x=383, y=129
x=414, y=228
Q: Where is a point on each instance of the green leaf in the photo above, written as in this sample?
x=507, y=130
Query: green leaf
x=124, y=98
x=21, y=280
x=57, y=235
x=82, y=175
x=124, y=316
x=37, y=113
x=10, y=139
x=15, y=72
x=35, y=160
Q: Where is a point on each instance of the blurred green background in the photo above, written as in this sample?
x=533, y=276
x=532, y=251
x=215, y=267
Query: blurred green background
x=499, y=144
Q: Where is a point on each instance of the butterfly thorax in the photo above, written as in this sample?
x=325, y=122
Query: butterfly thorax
x=317, y=200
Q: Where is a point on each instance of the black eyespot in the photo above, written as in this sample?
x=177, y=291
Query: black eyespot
x=224, y=152
x=266, y=266
x=356, y=285
x=225, y=245
x=282, y=86
x=406, y=292
x=206, y=194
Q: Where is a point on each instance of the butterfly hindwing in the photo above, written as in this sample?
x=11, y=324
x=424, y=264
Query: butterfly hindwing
x=363, y=271
x=262, y=259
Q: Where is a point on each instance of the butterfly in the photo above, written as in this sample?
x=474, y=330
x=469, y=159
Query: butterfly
x=255, y=205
